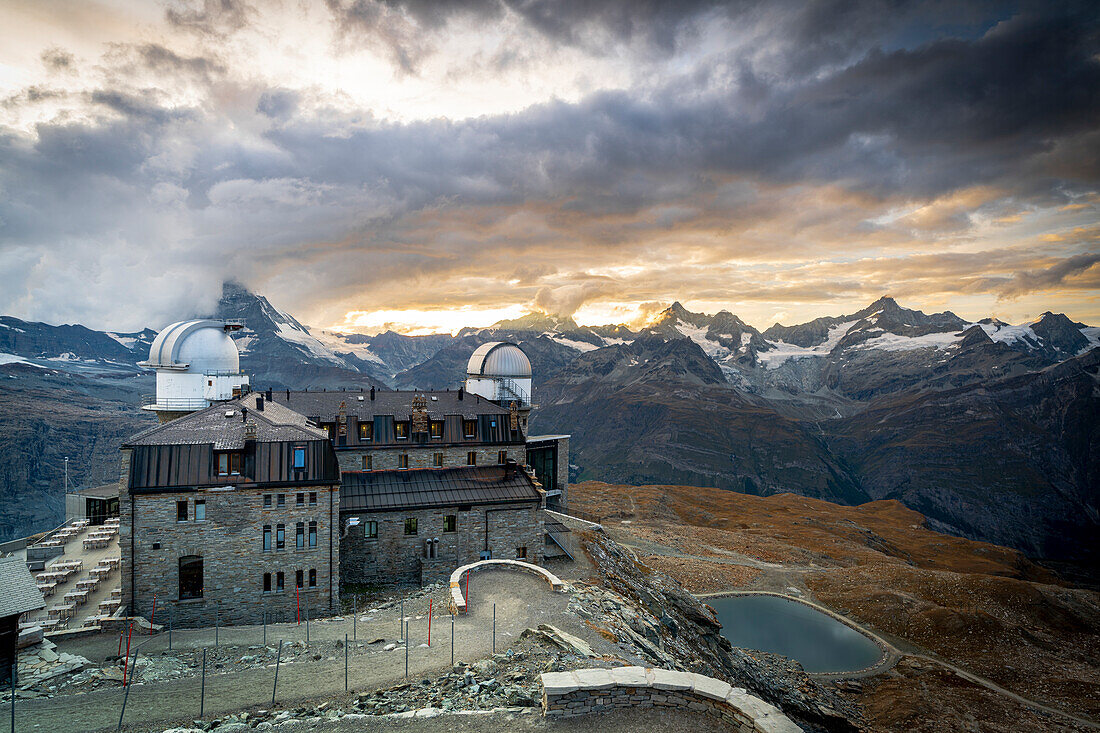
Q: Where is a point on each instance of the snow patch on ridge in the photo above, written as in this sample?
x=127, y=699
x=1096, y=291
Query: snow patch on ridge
x=581, y=346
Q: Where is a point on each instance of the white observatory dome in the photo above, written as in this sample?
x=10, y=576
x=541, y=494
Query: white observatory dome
x=195, y=347
x=499, y=359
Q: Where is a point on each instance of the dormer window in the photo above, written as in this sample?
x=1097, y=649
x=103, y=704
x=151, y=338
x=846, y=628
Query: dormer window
x=299, y=457
x=229, y=463
x=401, y=430
x=469, y=428
x=435, y=429
x=366, y=431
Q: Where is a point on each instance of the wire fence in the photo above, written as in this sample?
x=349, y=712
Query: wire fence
x=331, y=640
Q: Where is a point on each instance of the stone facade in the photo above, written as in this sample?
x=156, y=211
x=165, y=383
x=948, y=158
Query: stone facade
x=230, y=540
x=423, y=456
x=394, y=556
x=586, y=691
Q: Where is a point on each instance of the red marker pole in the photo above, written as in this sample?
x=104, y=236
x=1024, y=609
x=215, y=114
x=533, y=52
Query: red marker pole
x=153, y=614
x=126, y=661
x=429, y=622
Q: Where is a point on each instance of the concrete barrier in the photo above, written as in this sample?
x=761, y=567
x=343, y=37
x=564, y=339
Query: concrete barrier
x=458, y=600
x=586, y=691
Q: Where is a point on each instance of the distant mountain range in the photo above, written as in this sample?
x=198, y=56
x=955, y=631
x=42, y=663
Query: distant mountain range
x=987, y=428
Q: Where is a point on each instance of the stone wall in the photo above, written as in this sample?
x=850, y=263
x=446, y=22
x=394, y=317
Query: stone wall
x=586, y=691
x=230, y=541
x=423, y=456
x=394, y=556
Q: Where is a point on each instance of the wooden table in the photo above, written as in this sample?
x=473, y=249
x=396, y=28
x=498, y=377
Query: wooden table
x=48, y=624
x=77, y=597
x=52, y=576
x=61, y=612
x=99, y=572
x=110, y=605
x=93, y=543
x=47, y=589
x=87, y=584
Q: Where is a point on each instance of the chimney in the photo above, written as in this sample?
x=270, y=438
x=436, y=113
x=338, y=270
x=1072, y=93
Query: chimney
x=372, y=393
x=244, y=414
x=460, y=393
x=269, y=394
x=510, y=468
x=288, y=395
x=259, y=403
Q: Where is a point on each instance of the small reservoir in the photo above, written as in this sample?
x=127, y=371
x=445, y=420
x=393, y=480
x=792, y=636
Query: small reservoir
x=780, y=626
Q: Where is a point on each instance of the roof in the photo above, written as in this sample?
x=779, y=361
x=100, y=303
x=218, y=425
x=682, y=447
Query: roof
x=106, y=491
x=382, y=491
x=224, y=426
x=326, y=405
x=499, y=359
x=18, y=592
x=546, y=438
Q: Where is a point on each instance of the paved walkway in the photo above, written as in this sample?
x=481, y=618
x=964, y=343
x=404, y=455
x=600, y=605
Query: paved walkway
x=521, y=601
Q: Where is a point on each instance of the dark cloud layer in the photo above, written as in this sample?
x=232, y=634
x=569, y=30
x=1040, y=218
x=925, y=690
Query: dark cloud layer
x=818, y=120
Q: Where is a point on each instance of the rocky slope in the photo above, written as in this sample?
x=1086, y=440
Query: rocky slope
x=943, y=601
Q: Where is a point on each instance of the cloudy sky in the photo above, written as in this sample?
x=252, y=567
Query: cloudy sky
x=423, y=165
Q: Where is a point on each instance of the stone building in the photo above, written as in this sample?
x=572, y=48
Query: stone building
x=409, y=525
x=229, y=512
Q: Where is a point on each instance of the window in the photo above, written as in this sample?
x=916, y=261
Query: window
x=229, y=464
x=300, y=535
x=299, y=456
x=401, y=430
x=313, y=498
x=435, y=429
x=267, y=582
x=368, y=463
x=502, y=457
x=181, y=511
x=298, y=578
x=280, y=500
x=313, y=534
x=521, y=553
x=279, y=585
x=301, y=500
x=450, y=523
x=410, y=525
x=469, y=428
x=370, y=530
x=366, y=431
x=403, y=460
x=267, y=501
x=190, y=577
x=200, y=510
x=313, y=577
x=437, y=460
x=471, y=458
x=280, y=537
x=267, y=538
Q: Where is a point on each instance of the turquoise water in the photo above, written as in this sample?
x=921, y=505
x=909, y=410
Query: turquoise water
x=770, y=624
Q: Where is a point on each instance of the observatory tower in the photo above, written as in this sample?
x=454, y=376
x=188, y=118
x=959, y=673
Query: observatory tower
x=501, y=372
x=197, y=364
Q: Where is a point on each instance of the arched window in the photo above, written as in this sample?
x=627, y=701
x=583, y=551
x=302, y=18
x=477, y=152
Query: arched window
x=190, y=577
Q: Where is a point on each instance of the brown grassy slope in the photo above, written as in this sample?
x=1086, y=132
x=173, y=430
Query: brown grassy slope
x=984, y=607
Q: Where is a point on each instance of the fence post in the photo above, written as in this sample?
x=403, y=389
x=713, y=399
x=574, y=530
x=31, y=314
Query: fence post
x=307, y=620
x=14, y=670
x=355, y=624
x=217, y=623
x=345, y=662
x=494, y=628
x=406, y=650
x=452, y=639
x=278, y=658
x=169, y=628
x=401, y=620
x=429, y=622
x=265, y=627
x=202, y=690
x=125, y=696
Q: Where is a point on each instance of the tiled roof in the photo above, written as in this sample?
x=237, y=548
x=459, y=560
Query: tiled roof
x=18, y=592
x=326, y=405
x=382, y=491
x=215, y=425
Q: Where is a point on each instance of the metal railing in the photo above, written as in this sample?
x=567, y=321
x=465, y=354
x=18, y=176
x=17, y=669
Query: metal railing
x=174, y=403
x=511, y=386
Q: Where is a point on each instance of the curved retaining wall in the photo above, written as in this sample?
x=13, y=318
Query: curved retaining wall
x=459, y=601
x=586, y=691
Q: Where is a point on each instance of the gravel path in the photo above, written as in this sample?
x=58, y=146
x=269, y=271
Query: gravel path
x=521, y=601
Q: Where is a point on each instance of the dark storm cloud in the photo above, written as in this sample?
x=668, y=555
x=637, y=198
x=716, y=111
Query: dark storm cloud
x=1082, y=267
x=160, y=59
